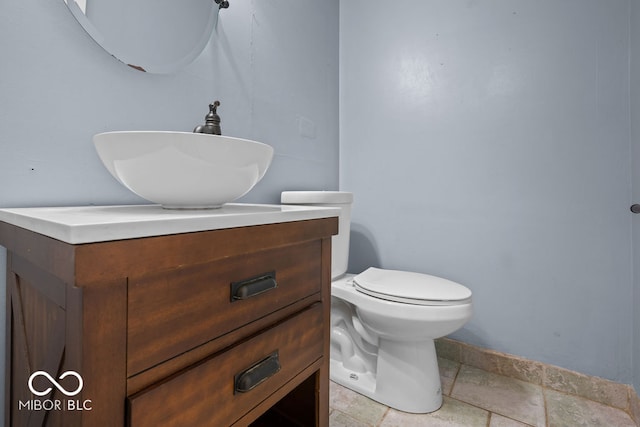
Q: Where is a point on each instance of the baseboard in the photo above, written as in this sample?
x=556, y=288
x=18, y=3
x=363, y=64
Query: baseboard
x=611, y=393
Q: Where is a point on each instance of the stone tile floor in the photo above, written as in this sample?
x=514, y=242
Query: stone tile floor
x=473, y=397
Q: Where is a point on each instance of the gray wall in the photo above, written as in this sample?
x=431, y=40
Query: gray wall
x=488, y=142
x=273, y=65
x=635, y=155
x=59, y=88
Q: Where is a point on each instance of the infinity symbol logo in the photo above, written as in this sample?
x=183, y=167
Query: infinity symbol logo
x=55, y=383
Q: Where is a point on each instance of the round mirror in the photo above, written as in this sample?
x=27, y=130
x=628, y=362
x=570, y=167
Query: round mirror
x=156, y=36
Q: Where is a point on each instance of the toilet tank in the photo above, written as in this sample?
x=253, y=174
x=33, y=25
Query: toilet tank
x=339, y=242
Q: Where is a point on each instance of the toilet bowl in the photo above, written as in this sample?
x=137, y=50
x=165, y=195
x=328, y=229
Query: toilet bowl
x=384, y=322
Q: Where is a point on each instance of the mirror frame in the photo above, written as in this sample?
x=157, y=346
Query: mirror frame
x=135, y=60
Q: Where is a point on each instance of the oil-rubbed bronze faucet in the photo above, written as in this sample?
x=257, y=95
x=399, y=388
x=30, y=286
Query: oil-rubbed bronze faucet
x=211, y=121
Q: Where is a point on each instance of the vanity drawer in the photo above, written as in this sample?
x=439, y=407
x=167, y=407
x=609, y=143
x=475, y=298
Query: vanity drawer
x=175, y=311
x=208, y=393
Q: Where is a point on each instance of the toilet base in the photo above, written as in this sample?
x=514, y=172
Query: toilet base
x=407, y=377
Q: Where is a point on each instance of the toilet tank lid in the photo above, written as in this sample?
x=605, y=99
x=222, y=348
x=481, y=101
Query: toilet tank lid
x=411, y=286
x=315, y=197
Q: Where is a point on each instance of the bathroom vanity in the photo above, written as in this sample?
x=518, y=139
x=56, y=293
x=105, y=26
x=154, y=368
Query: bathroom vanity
x=139, y=316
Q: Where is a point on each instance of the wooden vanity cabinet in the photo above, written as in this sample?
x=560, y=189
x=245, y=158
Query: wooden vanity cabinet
x=211, y=328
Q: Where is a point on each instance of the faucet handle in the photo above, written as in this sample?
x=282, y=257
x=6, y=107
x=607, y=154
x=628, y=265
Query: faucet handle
x=211, y=121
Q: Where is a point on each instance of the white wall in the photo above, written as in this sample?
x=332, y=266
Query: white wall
x=488, y=142
x=272, y=65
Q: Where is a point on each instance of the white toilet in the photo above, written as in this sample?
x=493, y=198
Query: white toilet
x=384, y=321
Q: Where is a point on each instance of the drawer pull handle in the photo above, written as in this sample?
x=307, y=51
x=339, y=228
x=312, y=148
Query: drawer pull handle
x=254, y=286
x=250, y=378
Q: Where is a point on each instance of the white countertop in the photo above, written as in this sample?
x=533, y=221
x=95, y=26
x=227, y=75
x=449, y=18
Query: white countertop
x=88, y=224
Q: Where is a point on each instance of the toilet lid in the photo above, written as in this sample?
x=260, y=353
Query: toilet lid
x=411, y=288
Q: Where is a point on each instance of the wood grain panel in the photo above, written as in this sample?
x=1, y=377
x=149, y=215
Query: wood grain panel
x=68, y=308
x=97, y=349
x=139, y=257
x=204, y=395
x=175, y=311
x=51, y=255
x=37, y=330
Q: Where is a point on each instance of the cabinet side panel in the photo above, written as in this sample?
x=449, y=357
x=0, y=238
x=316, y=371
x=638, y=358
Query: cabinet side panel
x=322, y=378
x=50, y=255
x=35, y=342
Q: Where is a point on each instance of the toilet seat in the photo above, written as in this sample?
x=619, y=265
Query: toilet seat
x=410, y=288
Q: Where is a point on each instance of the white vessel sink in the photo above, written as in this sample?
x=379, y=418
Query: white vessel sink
x=184, y=170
